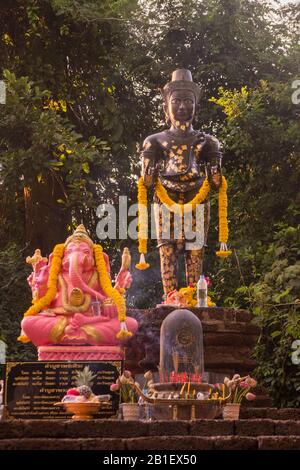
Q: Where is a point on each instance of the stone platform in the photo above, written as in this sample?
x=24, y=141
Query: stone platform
x=258, y=429
x=229, y=338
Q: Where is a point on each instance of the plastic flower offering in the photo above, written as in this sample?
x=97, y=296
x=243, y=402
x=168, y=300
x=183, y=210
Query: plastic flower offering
x=187, y=297
x=240, y=387
x=125, y=385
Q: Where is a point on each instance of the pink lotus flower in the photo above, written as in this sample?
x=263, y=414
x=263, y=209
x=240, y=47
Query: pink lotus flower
x=250, y=396
x=114, y=387
x=244, y=384
x=251, y=382
x=236, y=377
x=226, y=380
x=127, y=374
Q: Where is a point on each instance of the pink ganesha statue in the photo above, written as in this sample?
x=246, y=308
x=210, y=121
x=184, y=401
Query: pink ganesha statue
x=74, y=302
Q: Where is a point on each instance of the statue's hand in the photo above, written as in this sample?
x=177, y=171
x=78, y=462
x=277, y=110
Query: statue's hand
x=123, y=280
x=216, y=179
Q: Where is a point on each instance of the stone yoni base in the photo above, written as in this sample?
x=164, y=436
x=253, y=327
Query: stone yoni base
x=80, y=353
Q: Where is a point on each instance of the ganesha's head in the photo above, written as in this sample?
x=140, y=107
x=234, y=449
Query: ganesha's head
x=78, y=260
x=78, y=252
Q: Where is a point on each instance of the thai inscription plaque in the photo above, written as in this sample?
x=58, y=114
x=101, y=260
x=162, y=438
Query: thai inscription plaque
x=32, y=388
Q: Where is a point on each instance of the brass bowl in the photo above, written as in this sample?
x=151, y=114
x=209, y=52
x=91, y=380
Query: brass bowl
x=81, y=411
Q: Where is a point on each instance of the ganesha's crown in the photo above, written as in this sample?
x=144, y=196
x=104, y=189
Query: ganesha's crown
x=80, y=235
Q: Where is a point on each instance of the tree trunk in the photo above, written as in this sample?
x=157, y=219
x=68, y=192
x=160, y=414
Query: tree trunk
x=46, y=220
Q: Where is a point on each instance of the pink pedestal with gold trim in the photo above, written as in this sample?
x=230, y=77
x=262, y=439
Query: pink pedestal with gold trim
x=80, y=353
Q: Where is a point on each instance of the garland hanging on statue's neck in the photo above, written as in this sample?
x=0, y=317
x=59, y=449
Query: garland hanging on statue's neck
x=179, y=208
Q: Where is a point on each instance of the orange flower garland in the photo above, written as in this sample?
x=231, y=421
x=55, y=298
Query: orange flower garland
x=177, y=207
x=111, y=292
x=223, y=223
x=180, y=209
x=142, y=224
x=55, y=267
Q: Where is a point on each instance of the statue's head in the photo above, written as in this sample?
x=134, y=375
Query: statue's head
x=78, y=251
x=181, y=97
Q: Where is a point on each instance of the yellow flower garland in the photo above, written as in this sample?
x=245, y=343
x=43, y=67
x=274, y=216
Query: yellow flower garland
x=177, y=207
x=111, y=292
x=180, y=208
x=142, y=224
x=223, y=223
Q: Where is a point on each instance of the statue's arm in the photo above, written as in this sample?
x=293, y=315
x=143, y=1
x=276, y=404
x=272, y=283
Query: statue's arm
x=149, y=158
x=213, y=160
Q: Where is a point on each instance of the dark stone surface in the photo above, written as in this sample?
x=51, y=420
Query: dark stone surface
x=169, y=428
x=279, y=443
x=271, y=413
x=244, y=434
x=62, y=444
x=11, y=429
x=235, y=443
x=170, y=443
x=287, y=428
x=254, y=427
x=212, y=428
x=107, y=428
x=38, y=428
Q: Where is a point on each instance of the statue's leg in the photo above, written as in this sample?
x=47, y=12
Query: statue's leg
x=167, y=250
x=193, y=265
x=43, y=329
x=194, y=258
x=105, y=333
x=168, y=266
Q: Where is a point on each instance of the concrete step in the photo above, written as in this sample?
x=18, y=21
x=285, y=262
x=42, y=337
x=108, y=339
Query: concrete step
x=175, y=443
x=257, y=429
x=112, y=428
x=270, y=413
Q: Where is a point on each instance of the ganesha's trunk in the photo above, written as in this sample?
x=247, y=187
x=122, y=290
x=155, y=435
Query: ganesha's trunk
x=76, y=276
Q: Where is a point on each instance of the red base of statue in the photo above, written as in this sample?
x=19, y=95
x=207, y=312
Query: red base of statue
x=80, y=353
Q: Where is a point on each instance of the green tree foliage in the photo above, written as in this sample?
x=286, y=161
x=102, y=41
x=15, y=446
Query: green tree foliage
x=276, y=303
x=44, y=165
x=14, y=297
x=261, y=133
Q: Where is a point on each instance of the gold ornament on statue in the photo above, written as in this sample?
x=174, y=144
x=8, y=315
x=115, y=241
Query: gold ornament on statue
x=36, y=258
x=126, y=260
x=79, y=235
x=76, y=297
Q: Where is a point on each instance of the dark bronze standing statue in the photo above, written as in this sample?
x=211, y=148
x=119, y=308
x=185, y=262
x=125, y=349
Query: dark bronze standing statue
x=181, y=158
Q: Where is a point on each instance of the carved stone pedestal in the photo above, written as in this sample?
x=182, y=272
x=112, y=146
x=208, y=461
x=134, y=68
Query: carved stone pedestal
x=80, y=353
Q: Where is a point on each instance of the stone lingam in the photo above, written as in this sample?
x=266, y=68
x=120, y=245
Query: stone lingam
x=77, y=314
x=181, y=392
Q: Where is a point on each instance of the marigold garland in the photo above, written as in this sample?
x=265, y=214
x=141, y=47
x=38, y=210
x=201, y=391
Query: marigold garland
x=180, y=208
x=111, y=292
x=223, y=223
x=55, y=267
x=142, y=224
x=177, y=207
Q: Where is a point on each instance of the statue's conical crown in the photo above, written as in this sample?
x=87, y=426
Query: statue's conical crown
x=80, y=235
x=181, y=80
